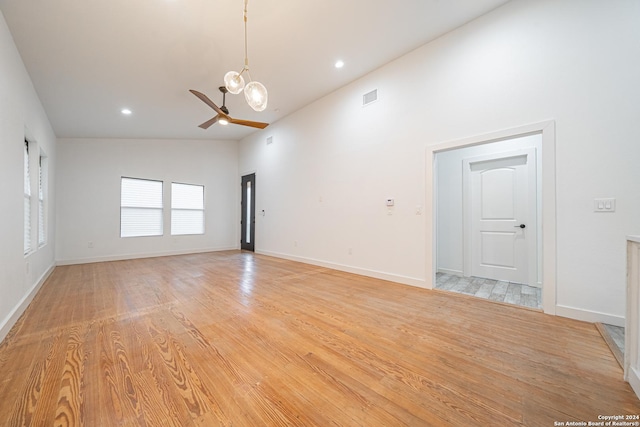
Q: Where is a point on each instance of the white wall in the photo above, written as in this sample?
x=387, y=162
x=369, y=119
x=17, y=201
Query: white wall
x=21, y=115
x=449, y=222
x=324, y=179
x=88, y=179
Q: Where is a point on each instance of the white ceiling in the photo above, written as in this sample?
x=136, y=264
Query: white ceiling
x=88, y=59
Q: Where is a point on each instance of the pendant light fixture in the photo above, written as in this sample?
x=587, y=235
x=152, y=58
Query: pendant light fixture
x=254, y=92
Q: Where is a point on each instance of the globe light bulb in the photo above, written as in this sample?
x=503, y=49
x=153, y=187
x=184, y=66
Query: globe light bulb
x=256, y=95
x=234, y=82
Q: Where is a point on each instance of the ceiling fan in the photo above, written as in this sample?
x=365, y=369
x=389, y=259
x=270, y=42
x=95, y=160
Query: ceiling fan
x=223, y=112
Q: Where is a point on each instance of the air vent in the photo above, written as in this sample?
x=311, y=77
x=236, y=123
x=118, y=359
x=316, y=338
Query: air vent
x=370, y=97
x=269, y=140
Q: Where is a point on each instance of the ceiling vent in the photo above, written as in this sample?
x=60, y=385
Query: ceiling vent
x=370, y=97
x=269, y=140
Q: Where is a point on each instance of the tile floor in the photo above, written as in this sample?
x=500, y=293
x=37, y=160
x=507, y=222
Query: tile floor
x=511, y=293
x=617, y=333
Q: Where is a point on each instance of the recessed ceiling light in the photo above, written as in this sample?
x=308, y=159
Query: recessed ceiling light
x=126, y=111
x=339, y=64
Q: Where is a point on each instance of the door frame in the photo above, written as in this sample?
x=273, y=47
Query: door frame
x=467, y=194
x=251, y=177
x=548, y=195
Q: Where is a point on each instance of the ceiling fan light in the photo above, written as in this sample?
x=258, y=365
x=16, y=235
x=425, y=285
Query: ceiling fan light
x=256, y=95
x=223, y=121
x=234, y=82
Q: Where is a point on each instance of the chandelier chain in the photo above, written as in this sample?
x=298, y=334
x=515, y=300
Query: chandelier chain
x=246, y=49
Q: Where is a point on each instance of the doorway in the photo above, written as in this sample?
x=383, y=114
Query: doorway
x=248, y=216
x=445, y=225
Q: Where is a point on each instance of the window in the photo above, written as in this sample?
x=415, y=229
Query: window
x=187, y=209
x=42, y=235
x=27, y=200
x=140, y=208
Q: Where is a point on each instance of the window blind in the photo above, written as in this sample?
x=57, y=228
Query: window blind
x=27, y=200
x=187, y=209
x=140, y=208
x=42, y=238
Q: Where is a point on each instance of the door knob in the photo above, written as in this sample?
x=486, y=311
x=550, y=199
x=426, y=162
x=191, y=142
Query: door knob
x=520, y=226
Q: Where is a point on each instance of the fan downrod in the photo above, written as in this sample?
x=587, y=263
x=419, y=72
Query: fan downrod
x=224, y=91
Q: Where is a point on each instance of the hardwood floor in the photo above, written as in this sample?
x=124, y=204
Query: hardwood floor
x=238, y=339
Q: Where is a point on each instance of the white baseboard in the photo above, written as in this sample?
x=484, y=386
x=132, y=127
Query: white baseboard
x=15, y=314
x=589, y=316
x=564, y=311
x=405, y=280
x=139, y=256
x=451, y=272
x=634, y=381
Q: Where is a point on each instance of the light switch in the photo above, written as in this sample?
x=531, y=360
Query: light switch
x=604, y=205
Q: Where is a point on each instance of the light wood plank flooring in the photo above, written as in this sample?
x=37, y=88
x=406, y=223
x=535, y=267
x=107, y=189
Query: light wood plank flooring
x=237, y=339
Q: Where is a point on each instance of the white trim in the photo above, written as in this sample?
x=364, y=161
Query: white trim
x=405, y=280
x=17, y=311
x=589, y=316
x=548, y=189
x=631, y=319
x=144, y=255
x=634, y=381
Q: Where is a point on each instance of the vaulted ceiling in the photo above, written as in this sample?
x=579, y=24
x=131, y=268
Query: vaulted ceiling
x=88, y=59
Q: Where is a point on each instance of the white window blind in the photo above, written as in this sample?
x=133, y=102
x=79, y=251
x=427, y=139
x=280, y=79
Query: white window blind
x=42, y=237
x=187, y=209
x=27, y=200
x=140, y=208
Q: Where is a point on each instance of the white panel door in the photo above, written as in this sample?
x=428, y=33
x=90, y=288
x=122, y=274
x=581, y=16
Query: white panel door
x=500, y=205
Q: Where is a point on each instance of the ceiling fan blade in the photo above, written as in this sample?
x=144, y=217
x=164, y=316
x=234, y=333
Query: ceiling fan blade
x=249, y=123
x=210, y=122
x=206, y=100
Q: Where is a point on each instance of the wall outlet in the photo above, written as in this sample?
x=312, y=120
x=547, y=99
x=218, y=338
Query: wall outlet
x=604, y=205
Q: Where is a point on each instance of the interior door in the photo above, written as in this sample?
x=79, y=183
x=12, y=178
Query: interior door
x=248, y=217
x=500, y=205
